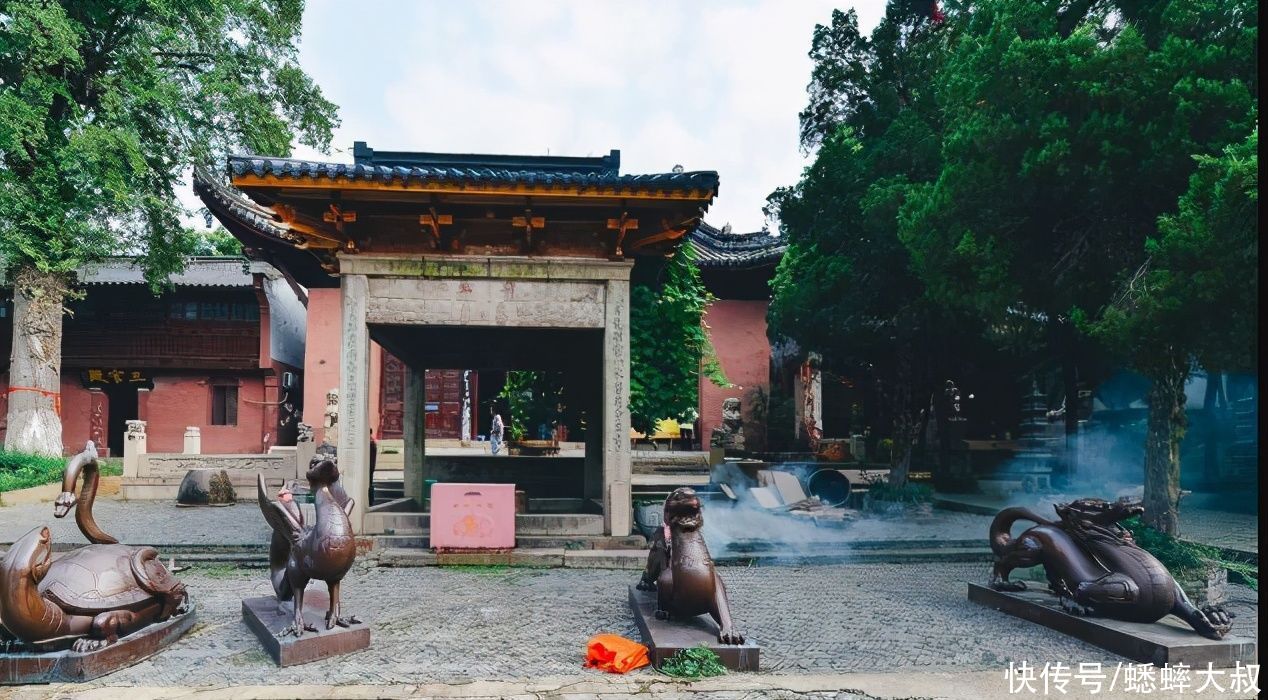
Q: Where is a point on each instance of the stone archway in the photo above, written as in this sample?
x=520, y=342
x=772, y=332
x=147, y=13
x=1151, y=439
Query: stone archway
x=496, y=292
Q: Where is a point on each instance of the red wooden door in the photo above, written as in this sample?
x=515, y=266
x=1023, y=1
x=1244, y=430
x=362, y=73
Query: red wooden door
x=391, y=398
x=444, y=403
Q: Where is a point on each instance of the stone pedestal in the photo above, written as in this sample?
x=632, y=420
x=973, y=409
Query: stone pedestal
x=193, y=440
x=267, y=618
x=24, y=668
x=133, y=448
x=664, y=638
x=1168, y=641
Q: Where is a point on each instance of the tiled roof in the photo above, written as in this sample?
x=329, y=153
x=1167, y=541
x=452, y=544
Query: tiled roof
x=227, y=201
x=520, y=173
x=200, y=271
x=715, y=248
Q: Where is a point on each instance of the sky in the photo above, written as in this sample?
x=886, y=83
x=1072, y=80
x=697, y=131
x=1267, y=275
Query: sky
x=706, y=84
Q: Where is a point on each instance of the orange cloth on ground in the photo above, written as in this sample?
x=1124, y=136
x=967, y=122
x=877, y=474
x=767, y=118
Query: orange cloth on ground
x=614, y=654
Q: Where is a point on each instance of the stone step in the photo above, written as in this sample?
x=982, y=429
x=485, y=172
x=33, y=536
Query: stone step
x=420, y=539
x=635, y=559
x=568, y=524
x=762, y=547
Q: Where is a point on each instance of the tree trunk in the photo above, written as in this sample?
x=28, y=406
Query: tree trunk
x=1211, y=417
x=35, y=365
x=1167, y=422
x=1070, y=378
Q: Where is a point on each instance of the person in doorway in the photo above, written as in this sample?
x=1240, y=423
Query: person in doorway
x=495, y=432
x=374, y=457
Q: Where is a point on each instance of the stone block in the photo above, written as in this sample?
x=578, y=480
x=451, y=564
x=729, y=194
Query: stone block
x=267, y=618
x=24, y=668
x=1168, y=641
x=664, y=638
x=206, y=487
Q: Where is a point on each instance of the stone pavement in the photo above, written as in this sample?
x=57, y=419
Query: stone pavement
x=972, y=685
x=145, y=522
x=1201, y=520
x=162, y=523
x=463, y=625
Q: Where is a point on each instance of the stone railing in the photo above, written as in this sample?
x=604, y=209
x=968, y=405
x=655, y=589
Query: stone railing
x=157, y=475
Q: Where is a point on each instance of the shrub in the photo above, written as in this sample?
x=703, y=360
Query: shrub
x=19, y=470
x=907, y=493
x=1182, y=558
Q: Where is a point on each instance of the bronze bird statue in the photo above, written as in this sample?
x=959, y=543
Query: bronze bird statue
x=300, y=553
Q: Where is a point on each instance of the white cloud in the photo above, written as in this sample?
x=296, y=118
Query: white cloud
x=710, y=85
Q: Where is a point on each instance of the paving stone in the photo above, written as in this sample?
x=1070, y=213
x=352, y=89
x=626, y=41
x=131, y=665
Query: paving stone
x=438, y=624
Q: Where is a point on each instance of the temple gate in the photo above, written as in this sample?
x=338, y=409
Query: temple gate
x=473, y=262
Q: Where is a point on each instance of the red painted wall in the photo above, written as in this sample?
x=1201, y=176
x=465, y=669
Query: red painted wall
x=177, y=402
x=321, y=355
x=738, y=332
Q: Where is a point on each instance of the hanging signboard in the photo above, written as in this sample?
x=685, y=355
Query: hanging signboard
x=106, y=377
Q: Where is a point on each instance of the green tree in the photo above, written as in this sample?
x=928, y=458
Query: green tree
x=669, y=346
x=1069, y=128
x=845, y=288
x=1194, y=300
x=216, y=242
x=103, y=106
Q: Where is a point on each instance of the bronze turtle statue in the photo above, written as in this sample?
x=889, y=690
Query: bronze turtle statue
x=87, y=598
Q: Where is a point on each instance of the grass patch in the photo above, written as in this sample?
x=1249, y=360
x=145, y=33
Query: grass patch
x=217, y=570
x=19, y=470
x=1182, y=557
x=696, y=662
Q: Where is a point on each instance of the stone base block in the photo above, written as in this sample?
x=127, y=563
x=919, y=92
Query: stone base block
x=24, y=668
x=1168, y=641
x=267, y=618
x=664, y=638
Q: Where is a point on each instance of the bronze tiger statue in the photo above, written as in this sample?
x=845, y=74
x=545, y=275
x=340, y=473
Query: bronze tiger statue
x=681, y=571
x=1095, y=567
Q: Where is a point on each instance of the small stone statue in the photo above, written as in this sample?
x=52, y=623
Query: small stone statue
x=331, y=420
x=681, y=571
x=1095, y=567
x=304, y=432
x=729, y=435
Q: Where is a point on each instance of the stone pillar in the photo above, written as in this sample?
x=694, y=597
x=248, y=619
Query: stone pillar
x=354, y=396
x=617, y=509
x=305, y=449
x=415, y=435
x=193, y=440
x=133, y=448
x=809, y=408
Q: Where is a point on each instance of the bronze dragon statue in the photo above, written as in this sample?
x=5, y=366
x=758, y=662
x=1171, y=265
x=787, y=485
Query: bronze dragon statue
x=92, y=596
x=681, y=571
x=300, y=552
x=1095, y=567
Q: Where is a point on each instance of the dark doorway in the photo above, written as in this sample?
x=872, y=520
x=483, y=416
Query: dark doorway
x=122, y=408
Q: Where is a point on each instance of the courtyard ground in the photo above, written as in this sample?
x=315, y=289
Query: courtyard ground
x=454, y=627
x=861, y=630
